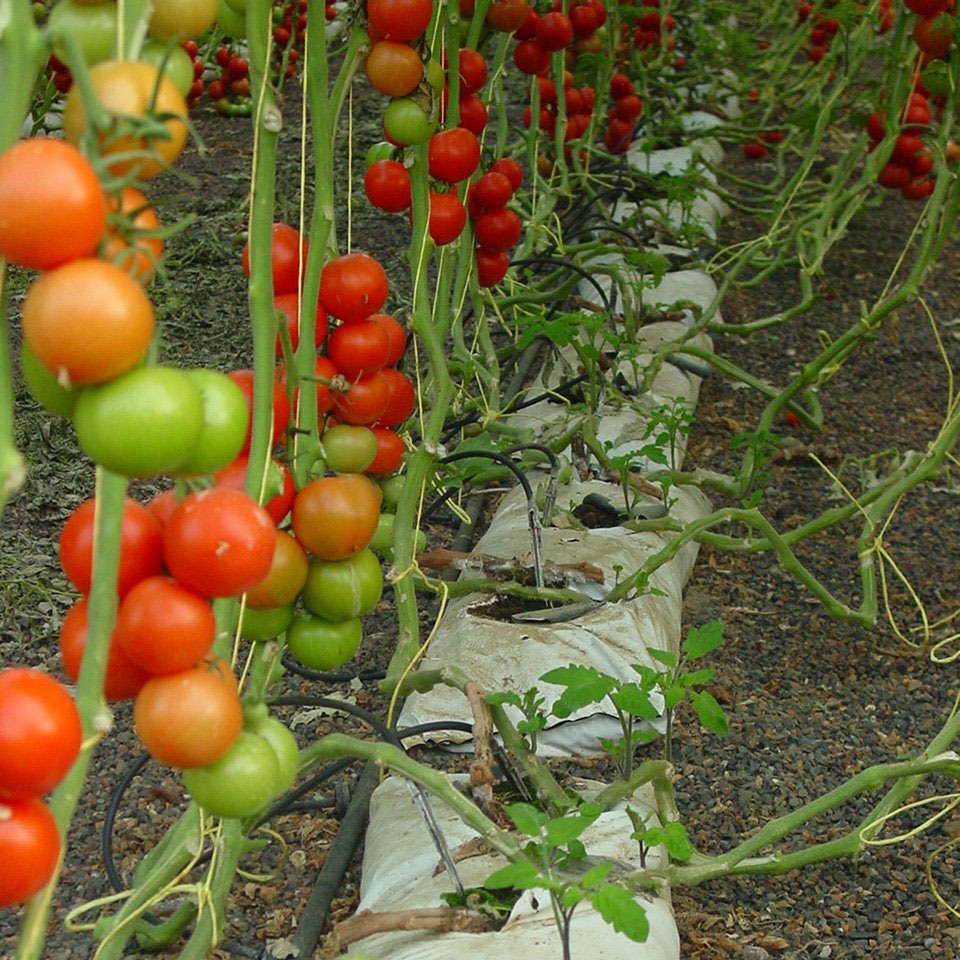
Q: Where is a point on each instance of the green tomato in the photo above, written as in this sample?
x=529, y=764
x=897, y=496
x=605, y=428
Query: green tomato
x=93, y=25
x=224, y=427
x=238, y=784
x=179, y=66
x=264, y=624
x=348, y=449
x=382, y=150
x=936, y=78
x=231, y=23
x=435, y=75
x=320, y=644
x=382, y=541
x=407, y=122
x=392, y=488
x=44, y=386
x=239, y=7
x=284, y=745
x=344, y=589
x=144, y=423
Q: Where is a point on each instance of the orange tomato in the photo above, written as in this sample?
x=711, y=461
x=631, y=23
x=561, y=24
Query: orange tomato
x=132, y=248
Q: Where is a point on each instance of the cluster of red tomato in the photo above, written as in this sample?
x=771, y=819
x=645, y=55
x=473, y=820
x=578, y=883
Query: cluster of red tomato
x=822, y=31
x=195, y=92
x=623, y=115
x=234, y=79
x=40, y=737
x=649, y=29
x=496, y=229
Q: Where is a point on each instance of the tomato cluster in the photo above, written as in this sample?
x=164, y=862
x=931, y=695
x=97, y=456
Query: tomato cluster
x=624, y=113
x=40, y=737
x=496, y=229
x=822, y=31
x=232, y=88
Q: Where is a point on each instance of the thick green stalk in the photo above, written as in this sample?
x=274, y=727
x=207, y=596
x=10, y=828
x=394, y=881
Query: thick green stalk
x=23, y=53
x=94, y=715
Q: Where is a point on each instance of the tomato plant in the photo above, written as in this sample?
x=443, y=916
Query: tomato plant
x=87, y=321
x=219, y=542
x=40, y=733
x=144, y=423
x=341, y=590
x=54, y=209
x=141, y=546
x=29, y=849
x=334, y=517
x=163, y=627
x=188, y=719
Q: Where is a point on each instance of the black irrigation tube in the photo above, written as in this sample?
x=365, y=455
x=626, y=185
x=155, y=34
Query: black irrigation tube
x=343, y=676
x=558, y=261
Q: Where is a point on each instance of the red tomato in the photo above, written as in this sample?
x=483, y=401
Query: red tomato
x=401, y=20
x=141, y=546
x=123, y=678
x=162, y=505
x=334, y=517
x=324, y=371
x=281, y=404
x=493, y=190
x=510, y=169
x=29, y=849
x=287, y=251
x=279, y=484
x=288, y=306
x=163, y=627
x=189, y=719
x=365, y=400
x=932, y=36
x=219, y=542
x=448, y=217
x=492, y=266
x=507, y=15
x=40, y=733
x=54, y=208
x=497, y=229
x=353, y=286
x=531, y=57
x=402, y=398
x=554, y=31
x=390, y=451
x=473, y=70
x=358, y=348
x=473, y=114
x=387, y=185
x=395, y=334
x=453, y=154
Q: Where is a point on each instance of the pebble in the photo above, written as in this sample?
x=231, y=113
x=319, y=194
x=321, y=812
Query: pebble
x=752, y=952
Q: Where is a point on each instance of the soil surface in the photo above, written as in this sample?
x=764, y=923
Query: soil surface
x=811, y=701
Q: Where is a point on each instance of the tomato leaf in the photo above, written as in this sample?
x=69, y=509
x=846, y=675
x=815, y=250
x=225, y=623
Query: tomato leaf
x=617, y=906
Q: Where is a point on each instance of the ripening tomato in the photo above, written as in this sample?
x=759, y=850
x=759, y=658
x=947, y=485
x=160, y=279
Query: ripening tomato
x=42, y=385
x=284, y=579
x=188, y=719
x=340, y=590
x=288, y=251
x=163, y=627
x=278, y=484
x=353, y=286
x=87, y=321
x=40, y=732
x=358, y=348
x=219, y=542
x=181, y=19
x=175, y=62
x=129, y=242
x=400, y=20
x=334, y=517
x=932, y=36
x=348, y=449
x=240, y=782
x=29, y=849
x=54, y=209
x=123, y=678
x=387, y=185
x=393, y=69
x=141, y=546
x=281, y=405
x=130, y=88
x=364, y=400
x=507, y=15
x=390, y=451
x=287, y=306
x=401, y=401
x=453, y=155
x=144, y=423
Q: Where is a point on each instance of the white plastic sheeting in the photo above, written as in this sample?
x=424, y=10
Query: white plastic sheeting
x=401, y=871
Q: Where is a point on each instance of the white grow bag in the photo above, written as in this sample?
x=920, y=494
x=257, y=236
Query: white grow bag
x=401, y=871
